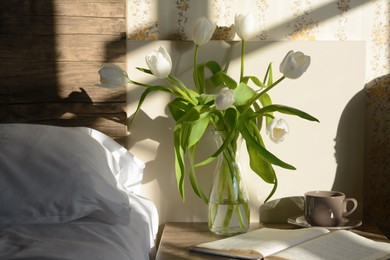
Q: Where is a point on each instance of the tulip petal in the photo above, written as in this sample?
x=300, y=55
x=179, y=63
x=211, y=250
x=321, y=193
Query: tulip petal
x=224, y=99
x=202, y=31
x=159, y=62
x=277, y=129
x=294, y=64
x=245, y=26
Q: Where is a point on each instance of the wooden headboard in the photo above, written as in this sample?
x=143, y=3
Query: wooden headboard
x=50, y=52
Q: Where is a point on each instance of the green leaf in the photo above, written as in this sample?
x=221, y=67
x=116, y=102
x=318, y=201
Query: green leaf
x=287, y=110
x=260, y=166
x=178, y=108
x=268, y=76
x=230, y=118
x=268, y=156
x=195, y=95
x=179, y=161
x=193, y=180
x=242, y=94
x=147, y=91
x=185, y=134
x=229, y=81
x=254, y=80
x=265, y=100
x=206, y=98
x=190, y=115
x=213, y=66
x=182, y=90
x=216, y=80
x=257, y=162
x=198, y=129
x=220, y=78
x=231, y=135
x=274, y=188
x=245, y=79
x=259, y=118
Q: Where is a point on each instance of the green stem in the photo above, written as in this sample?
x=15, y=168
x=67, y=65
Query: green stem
x=198, y=84
x=183, y=93
x=257, y=96
x=228, y=200
x=239, y=216
x=271, y=87
x=242, y=60
x=230, y=176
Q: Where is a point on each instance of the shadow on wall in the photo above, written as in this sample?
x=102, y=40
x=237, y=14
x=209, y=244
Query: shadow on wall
x=349, y=151
x=349, y=154
x=49, y=72
x=154, y=136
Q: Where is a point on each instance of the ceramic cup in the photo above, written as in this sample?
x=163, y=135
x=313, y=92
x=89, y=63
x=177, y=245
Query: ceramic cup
x=328, y=208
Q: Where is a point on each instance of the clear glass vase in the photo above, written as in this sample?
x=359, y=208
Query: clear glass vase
x=229, y=210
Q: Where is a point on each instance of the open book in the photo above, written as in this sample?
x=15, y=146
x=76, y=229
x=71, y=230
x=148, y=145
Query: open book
x=308, y=243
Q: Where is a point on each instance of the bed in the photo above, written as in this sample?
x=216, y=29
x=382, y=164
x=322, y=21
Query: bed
x=71, y=193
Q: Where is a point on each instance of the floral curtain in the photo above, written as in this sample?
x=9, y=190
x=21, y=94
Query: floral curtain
x=278, y=20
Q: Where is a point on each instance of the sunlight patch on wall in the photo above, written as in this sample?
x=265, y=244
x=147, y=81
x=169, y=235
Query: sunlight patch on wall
x=285, y=20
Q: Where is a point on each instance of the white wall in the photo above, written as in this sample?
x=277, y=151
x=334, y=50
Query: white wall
x=328, y=155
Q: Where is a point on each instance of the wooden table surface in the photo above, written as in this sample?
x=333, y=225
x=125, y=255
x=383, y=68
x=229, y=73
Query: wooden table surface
x=178, y=236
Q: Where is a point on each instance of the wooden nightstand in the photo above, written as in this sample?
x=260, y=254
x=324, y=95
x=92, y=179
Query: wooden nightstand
x=178, y=236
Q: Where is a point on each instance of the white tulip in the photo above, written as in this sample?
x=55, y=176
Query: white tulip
x=294, y=64
x=277, y=129
x=245, y=26
x=159, y=62
x=202, y=31
x=112, y=76
x=224, y=99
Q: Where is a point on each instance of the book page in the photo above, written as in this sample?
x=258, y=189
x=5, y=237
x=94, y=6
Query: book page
x=336, y=245
x=266, y=241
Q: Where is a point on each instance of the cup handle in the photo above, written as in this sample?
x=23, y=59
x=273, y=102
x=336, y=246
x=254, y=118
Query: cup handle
x=349, y=200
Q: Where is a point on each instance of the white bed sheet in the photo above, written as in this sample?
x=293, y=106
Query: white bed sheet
x=86, y=239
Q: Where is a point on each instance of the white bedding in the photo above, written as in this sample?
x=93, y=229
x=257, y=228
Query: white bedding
x=71, y=193
x=86, y=239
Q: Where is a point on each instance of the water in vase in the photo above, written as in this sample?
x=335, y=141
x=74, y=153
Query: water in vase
x=229, y=219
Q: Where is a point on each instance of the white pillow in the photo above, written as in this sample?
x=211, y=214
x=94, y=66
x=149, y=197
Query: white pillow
x=126, y=167
x=55, y=174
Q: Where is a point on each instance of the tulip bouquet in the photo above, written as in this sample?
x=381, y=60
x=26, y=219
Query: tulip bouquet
x=237, y=109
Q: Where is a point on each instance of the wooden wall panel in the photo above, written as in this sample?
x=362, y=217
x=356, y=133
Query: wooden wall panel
x=50, y=53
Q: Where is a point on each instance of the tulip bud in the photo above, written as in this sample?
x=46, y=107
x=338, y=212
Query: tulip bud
x=202, y=31
x=245, y=26
x=159, y=62
x=277, y=129
x=224, y=99
x=294, y=64
x=112, y=76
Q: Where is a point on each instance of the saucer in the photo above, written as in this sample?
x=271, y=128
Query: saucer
x=347, y=224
